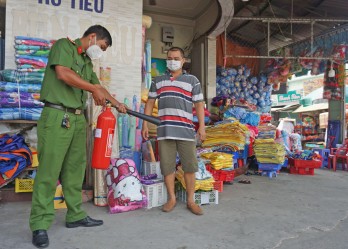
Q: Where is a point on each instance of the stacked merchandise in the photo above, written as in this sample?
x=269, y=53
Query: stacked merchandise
x=20, y=88
x=269, y=154
x=220, y=165
x=14, y=157
x=206, y=188
x=304, y=162
x=233, y=134
x=224, y=144
x=250, y=119
x=238, y=85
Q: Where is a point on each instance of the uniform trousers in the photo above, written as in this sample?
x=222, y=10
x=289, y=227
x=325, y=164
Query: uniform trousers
x=61, y=154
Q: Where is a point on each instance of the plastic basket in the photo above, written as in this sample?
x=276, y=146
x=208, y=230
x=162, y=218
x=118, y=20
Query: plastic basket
x=24, y=185
x=299, y=163
x=301, y=171
x=219, y=186
x=200, y=197
x=221, y=175
x=269, y=166
x=156, y=194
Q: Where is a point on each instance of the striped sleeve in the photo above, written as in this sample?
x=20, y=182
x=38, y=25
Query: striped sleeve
x=197, y=95
x=153, y=91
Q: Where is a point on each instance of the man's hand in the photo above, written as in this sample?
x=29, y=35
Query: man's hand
x=145, y=131
x=98, y=95
x=201, y=133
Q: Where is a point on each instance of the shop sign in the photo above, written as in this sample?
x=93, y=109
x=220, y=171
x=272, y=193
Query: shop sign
x=292, y=97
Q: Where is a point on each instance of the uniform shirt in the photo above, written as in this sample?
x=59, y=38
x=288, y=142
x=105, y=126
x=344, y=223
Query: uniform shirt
x=64, y=52
x=175, y=102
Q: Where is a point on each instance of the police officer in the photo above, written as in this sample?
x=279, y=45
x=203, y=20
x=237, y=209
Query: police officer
x=62, y=127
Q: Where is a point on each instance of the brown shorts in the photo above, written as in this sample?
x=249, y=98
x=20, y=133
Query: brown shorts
x=168, y=149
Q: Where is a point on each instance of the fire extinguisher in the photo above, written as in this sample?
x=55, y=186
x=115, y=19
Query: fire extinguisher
x=103, y=138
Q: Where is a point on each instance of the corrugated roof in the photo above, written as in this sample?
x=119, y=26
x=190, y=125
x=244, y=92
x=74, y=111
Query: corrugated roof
x=254, y=33
x=286, y=108
x=312, y=108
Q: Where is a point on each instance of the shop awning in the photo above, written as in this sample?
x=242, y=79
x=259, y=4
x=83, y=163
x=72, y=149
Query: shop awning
x=312, y=108
x=286, y=108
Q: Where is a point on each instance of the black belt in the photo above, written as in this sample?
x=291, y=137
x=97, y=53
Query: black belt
x=63, y=108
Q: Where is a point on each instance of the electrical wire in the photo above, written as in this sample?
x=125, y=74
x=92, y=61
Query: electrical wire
x=281, y=31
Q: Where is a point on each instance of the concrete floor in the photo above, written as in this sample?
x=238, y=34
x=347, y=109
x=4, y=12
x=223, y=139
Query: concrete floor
x=287, y=212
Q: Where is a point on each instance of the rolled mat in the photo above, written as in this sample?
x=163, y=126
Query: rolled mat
x=100, y=188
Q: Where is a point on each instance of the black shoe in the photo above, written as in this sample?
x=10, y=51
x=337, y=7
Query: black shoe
x=86, y=222
x=40, y=239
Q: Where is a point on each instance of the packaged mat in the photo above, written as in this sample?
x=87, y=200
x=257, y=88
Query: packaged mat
x=33, y=52
x=226, y=133
x=20, y=102
x=22, y=95
x=9, y=114
x=34, y=61
x=219, y=160
x=268, y=151
x=205, y=185
x=31, y=41
x=16, y=76
x=31, y=48
x=22, y=87
x=30, y=113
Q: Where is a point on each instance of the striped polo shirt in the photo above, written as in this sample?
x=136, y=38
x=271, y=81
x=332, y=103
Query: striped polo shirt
x=175, y=102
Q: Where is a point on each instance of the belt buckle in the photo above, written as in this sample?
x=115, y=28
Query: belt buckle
x=78, y=112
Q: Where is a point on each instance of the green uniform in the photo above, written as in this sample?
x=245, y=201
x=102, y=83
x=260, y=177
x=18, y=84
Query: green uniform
x=61, y=151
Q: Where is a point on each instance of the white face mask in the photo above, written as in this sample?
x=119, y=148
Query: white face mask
x=173, y=65
x=94, y=52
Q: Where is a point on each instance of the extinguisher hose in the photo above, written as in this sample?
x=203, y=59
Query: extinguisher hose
x=143, y=116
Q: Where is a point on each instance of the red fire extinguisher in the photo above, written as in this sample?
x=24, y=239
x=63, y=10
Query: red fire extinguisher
x=103, y=138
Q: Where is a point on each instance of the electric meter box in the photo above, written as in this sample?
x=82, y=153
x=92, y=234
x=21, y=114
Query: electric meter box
x=168, y=34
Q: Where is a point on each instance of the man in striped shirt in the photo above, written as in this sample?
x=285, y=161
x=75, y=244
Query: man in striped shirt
x=177, y=92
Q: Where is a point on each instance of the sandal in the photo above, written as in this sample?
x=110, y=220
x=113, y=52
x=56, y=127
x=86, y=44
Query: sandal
x=244, y=181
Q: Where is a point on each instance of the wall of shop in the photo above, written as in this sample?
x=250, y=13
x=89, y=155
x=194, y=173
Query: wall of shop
x=183, y=33
x=191, y=36
x=185, y=30
x=51, y=19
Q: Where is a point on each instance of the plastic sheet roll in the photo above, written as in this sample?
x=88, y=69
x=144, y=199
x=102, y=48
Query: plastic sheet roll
x=120, y=131
x=100, y=188
x=148, y=78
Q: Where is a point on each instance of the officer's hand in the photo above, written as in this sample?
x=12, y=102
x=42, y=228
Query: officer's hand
x=145, y=132
x=99, y=95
